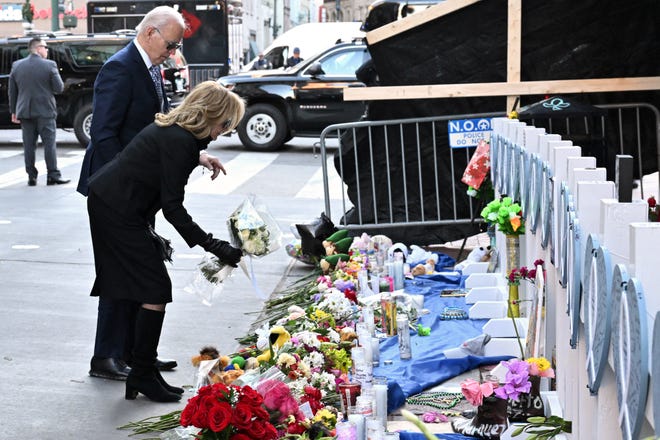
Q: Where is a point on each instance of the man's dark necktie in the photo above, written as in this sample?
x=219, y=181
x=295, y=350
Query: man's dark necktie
x=156, y=78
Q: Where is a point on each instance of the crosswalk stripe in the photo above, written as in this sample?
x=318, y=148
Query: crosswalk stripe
x=4, y=154
x=313, y=189
x=239, y=171
x=19, y=175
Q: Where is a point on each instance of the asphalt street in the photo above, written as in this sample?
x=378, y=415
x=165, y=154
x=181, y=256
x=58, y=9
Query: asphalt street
x=48, y=319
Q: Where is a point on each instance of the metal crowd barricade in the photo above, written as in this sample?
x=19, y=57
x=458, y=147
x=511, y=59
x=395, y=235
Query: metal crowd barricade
x=426, y=190
x=403, y=173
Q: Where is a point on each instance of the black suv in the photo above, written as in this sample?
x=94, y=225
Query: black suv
x=79, y=58
x=299, y=101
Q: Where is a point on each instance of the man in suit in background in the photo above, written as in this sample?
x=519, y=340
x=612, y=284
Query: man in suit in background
x=33, y=83
x=128, y=92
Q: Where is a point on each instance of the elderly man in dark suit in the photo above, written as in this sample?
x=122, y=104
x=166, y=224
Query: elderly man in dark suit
x=128, y=92
x=33, y=83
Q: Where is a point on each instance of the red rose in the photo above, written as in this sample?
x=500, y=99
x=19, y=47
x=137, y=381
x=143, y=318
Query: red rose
x=271, y=432
x=220, y=391
x=219, y=416
x=242, y=415
x=239, y=436
x=189, y=412
x=651, y=201
x=257, y=430
x=260, y=413
x=205, y=391
x=200, y=418
x=250, y=396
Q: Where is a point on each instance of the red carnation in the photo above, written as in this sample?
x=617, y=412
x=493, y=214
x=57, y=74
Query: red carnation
x=295, y=428
x=351, y=295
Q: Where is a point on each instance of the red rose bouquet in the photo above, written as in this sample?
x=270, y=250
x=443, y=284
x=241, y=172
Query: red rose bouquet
x=228, y=413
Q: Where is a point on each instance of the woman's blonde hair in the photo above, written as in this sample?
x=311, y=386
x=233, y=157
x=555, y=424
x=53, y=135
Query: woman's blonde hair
x=208, y=105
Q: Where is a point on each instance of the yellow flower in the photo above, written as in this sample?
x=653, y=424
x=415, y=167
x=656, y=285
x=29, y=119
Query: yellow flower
x=326, y=417
x=320, y=315
x=541, y=363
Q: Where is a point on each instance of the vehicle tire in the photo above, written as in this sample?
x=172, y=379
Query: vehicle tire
x=82, y=123
x=263, y=128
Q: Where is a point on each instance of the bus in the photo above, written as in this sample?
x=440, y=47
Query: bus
x=205, y=42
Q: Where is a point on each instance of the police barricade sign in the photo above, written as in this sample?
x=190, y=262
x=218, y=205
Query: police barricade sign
x=464, y=133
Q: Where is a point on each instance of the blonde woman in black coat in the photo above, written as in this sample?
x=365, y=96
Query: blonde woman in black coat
x=150, y=175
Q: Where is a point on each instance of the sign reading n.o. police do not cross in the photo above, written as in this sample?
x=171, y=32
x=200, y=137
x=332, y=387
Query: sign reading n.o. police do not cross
x=464, y=133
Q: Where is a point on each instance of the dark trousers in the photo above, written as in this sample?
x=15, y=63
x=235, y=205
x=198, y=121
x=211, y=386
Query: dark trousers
x=32, y=129
x=115, y=328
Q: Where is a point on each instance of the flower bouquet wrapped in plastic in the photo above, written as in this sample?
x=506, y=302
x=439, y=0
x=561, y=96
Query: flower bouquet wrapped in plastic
x=207, y=281
x=253, y=229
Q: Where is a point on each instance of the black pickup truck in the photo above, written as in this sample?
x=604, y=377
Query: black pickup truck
x=301, y=100
x=79, y=59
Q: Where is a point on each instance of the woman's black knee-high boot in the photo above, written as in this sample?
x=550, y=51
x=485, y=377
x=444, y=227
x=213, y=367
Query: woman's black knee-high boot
x=142, y=377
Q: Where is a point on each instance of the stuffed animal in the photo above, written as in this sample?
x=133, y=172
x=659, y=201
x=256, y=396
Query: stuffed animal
x=278, y=337
x=205, y=354
x=476, y=255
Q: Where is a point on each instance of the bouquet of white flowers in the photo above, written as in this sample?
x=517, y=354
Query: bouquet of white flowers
x=253, y=229
x=255, y=232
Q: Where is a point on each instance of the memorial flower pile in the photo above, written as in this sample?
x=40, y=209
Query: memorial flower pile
x=228, y=413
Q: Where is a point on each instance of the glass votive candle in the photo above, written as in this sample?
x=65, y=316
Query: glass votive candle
x=346, y=430
x=349, y=393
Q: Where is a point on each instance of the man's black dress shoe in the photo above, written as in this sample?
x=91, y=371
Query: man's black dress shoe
x=32, y=181
x=109, y=368
x=165, y=364
x=57, y=181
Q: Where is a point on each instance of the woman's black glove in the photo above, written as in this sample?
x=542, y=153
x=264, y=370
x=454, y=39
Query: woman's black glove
x=225, y=252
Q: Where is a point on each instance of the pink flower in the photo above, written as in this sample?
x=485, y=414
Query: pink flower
x=434, y=417
x=475, y=392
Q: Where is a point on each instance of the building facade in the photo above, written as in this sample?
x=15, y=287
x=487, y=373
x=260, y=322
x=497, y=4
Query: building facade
x=253, y=24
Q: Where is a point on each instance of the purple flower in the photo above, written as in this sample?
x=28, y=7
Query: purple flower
x=516, y=381
x=342, y=285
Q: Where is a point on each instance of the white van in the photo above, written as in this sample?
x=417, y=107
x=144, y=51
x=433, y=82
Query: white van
x=311, y=38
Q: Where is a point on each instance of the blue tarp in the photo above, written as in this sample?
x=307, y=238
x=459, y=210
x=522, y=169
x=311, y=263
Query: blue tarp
x=428, y=366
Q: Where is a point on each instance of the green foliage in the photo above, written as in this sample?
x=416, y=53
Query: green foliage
x=28, y=11
x=506, y=214
x=540, y=428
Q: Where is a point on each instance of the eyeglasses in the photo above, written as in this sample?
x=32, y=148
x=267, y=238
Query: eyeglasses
x=44, y=46
x=226, y=125
x=170, y=45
